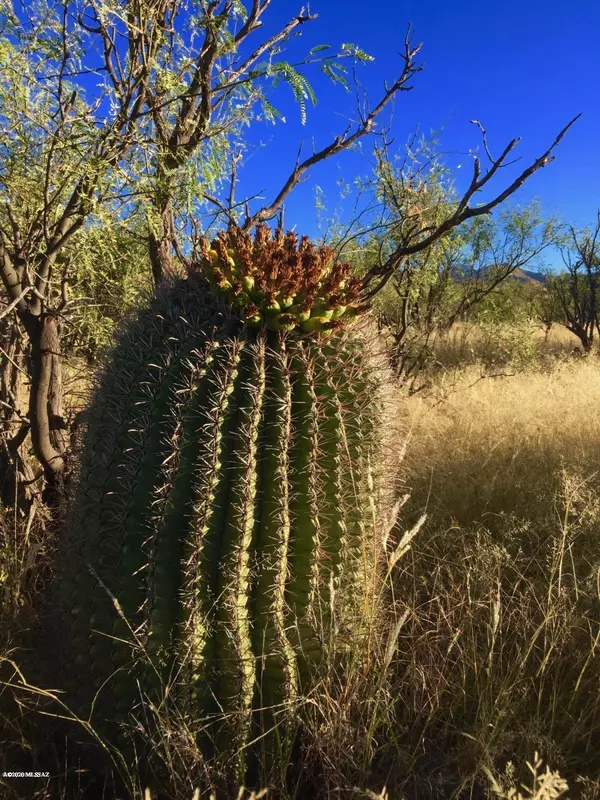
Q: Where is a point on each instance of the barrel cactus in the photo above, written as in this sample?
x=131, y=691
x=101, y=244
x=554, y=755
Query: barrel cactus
x=220, y=542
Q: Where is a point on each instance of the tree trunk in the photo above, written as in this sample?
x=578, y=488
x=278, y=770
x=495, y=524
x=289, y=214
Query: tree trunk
x=48, y=429
x=580, y=331
x=10, y=375
x=160, y=241
x=10, y=421
x=17, y=476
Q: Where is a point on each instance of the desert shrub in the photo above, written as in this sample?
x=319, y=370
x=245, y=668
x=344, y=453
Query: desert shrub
x=110, y=275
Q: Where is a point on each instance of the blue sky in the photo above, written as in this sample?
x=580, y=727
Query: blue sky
x=522, y=68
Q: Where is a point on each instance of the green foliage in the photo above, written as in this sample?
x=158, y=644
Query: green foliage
x=464, y=275
x=548, y=308
x=221, y=529
x=572, y=297
x=41, y=157
x=512, y=301
x=297, y=82
x=110, y=276
x=506, y=344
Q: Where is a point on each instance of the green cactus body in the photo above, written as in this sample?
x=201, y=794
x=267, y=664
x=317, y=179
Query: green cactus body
x=224, y=492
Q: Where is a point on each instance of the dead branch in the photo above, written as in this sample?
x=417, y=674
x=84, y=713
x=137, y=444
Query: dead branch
x=464, y=211
x=344, y=141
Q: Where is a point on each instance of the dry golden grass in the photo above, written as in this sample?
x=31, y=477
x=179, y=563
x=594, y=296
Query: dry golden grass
x=497, y=446
x=492, y=648
x=470, y=343
x=500, y=656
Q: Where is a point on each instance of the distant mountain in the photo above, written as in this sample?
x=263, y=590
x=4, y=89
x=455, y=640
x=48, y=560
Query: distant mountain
x=527, y=276
x=520, y=275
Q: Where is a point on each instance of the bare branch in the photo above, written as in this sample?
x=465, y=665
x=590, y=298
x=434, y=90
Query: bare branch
x=484, y=135
x=222, y=208
x=15, y=302
x=267, y=45
x=342, y=142
x=231, y=202
x=465, y=212
x=253, y=20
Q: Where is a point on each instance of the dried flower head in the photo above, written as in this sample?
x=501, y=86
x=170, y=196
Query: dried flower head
x=275, y=280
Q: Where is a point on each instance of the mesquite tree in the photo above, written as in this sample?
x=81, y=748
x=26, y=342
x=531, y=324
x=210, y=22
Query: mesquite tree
x=200, y=72
x=60, y=170
x=572, y=297
x=429, y=290
x=448, y=282
x=178, y=80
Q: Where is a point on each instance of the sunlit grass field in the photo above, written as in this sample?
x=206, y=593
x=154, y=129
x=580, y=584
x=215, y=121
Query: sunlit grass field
x=469, y=343
x=503, y=581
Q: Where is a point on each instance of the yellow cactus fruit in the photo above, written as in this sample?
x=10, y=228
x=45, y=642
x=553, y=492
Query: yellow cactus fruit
x=300, y=315
x=283, y=322
x=285, y=302
x=271, y=308
x=314, y=324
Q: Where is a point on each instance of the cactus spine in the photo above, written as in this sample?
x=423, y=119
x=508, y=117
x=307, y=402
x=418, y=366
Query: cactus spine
x=224, y=492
